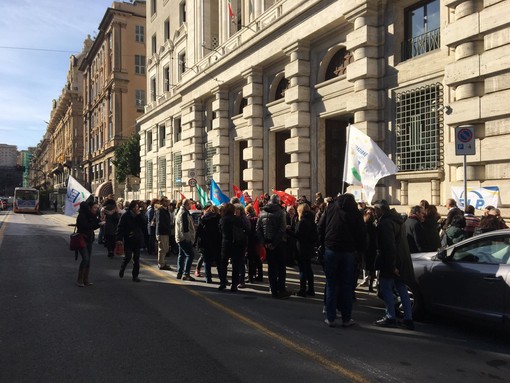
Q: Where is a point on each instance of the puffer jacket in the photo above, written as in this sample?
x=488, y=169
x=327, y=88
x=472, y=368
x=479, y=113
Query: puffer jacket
x=184, y=226
x=393, y=249
x=271, y=225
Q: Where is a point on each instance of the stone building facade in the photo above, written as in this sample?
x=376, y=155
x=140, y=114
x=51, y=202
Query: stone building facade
x=114, y=92
x=262, y=100
x=65, y=125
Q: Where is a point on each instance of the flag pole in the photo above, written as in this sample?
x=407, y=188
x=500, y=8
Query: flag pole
x=348, y=130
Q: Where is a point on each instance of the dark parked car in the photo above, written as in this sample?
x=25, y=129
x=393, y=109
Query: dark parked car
x=470, y=279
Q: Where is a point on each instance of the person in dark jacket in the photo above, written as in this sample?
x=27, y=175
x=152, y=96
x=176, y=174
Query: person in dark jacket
x=209, y=239
x=253, y=249
x=455, y=231
x=412, y=226
x=271, y=227
x=394, y=263
x=86, y=222
x=130, y=232
x=368, y=256
x=151, y=226
x=232, y=245
x=453, y=211
x=428, y=231
x=306, y=240
x=163, y=232
x=111, y=218
x=342, y=234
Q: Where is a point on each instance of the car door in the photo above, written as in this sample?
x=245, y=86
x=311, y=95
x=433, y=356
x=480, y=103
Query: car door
x=473, y=280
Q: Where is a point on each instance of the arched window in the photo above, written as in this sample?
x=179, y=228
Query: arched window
x=283, y=85
x=243, y=103
x=338, y=64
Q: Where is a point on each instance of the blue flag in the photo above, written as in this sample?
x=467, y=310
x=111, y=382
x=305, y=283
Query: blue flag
x=216, y=195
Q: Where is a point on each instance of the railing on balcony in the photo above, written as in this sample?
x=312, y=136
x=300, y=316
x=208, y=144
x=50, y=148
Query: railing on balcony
x=421, y=44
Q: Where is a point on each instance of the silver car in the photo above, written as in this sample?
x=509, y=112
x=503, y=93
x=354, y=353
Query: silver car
x=470, y=279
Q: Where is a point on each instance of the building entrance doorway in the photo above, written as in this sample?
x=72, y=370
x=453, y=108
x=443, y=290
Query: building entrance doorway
x=336, y=137
x=281, y=159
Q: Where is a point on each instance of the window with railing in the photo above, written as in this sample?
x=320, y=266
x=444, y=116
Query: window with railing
x=177, y=168
x=209, y=167
x=422, y=29
x=139, y=99
x=162, y=173
x=419, y=128
x=148, y=175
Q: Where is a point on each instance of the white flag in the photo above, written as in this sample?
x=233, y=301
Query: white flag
x=75, y=195
x=365, y=163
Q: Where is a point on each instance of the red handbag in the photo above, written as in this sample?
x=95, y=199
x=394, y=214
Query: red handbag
x=119, y=249
x=77, y=241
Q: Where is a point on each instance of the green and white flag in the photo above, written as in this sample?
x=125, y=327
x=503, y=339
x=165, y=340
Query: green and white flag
x=202, y=196
x=365, y=163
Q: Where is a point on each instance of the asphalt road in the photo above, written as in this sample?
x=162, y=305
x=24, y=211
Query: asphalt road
x=166, y=330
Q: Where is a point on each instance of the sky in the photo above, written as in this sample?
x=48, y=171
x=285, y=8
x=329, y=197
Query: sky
x=38, y=39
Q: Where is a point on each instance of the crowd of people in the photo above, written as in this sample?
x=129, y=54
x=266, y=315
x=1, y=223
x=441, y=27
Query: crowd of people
x=349, y=239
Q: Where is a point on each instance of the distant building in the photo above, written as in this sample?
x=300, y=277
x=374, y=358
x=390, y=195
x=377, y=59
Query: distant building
x=25, y=159
x=65, y=125
x=8, y=155
x=114, y=92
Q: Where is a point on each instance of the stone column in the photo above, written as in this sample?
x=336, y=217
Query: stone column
x=297, y=96
x=192, y=139
x=254, y=132
x=364, y=72
x=463, y=76
x=218, y=137
x=404, y=192
x=435, y=192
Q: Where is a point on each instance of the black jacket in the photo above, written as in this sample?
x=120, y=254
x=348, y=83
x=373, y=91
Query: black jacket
x=209, y=235
x=163, y=222
x=271, y=225
x=86, y=223
x=412, y=226
x=393, y=250
x=342, y=230
x=130, y=230
x=306, y=235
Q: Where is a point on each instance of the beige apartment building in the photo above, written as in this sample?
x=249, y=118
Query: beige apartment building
x=262, y=99
x=114, y=92
x=65, y=126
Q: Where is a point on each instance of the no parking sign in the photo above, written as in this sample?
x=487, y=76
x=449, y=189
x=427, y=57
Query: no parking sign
x=464, y=140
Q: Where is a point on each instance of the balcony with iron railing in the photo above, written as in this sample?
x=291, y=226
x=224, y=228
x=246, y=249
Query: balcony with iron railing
x=421, y=44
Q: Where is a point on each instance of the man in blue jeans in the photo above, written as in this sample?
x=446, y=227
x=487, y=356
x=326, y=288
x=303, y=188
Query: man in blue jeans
x=394, y=263
x=342, y=233
x=185, y=237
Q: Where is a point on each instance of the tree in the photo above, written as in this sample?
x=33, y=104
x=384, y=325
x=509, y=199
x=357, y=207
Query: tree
x=127, y=158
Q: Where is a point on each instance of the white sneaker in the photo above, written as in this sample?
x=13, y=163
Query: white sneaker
x=330, y=324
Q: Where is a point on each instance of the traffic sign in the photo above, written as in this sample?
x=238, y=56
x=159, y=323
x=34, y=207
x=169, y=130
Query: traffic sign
x=465, y=141
x=192, y=182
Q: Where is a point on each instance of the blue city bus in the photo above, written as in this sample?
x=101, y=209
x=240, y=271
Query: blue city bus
x=26, y=200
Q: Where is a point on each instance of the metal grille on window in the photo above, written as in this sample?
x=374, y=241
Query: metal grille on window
x=148, y=175
x=419, y=128
x=209, y=167
x=177, y=167
x=162, y=173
